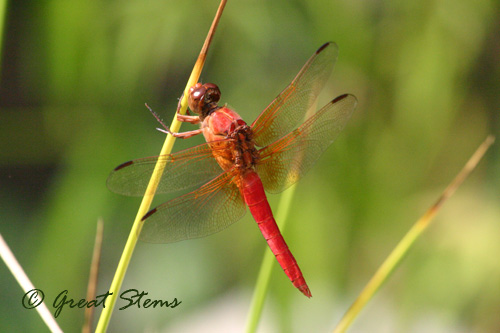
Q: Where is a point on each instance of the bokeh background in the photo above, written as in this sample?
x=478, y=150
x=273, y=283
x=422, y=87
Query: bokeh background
x=74, y=79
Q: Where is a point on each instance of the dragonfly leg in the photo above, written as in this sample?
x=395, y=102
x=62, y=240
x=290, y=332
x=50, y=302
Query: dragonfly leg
x=157, y=118
x=188, y=119
x=181, y=135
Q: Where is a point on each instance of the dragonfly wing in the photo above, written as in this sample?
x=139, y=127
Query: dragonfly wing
x=288, y=109
x=288, y=159
x=209, y=209
x=185, y=169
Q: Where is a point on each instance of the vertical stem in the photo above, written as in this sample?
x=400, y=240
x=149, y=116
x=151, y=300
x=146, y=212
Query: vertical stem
x=93, y=276
x=262, y=285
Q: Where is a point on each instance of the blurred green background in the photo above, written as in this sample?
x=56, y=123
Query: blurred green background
x=74, y=79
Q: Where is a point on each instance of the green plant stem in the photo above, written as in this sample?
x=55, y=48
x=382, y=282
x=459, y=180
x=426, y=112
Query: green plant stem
x=153, y=183
x=263, y=279
x=408, y=240
x=93, y=276
x=384, y=272
x=25, y=283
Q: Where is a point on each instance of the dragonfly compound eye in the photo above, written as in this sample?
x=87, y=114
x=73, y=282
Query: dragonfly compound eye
x=203, y=98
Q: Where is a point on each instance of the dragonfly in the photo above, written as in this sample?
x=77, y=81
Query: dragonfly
x=239, y=162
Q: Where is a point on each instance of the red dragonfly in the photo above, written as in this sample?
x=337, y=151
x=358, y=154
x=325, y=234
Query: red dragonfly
x=231, y=170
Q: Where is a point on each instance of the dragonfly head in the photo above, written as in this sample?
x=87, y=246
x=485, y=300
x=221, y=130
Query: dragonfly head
x=203, y=98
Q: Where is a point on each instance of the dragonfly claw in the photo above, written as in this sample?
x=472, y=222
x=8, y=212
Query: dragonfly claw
x=166, y=131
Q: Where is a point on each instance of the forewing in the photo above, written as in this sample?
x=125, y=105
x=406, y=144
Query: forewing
x=288, y=109
x=185, y=169
x=211, y=208
x=288, y=159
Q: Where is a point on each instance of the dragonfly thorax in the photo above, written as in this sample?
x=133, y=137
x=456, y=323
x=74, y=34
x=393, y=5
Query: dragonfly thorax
x=245, y=155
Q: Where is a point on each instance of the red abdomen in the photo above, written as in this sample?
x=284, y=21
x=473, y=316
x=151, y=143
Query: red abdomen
x=253, y=191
